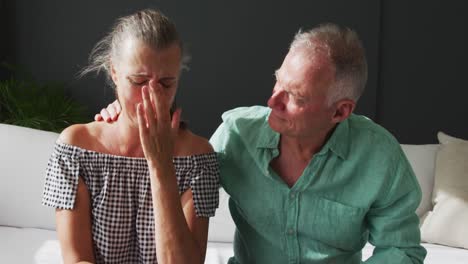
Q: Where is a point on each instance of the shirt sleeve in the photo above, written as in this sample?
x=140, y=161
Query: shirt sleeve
x=219, y=140
x=61, y=179
x=205, y=186
x=393, y=223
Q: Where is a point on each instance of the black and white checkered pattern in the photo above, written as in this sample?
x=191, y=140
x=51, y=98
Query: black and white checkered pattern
x=122, y=209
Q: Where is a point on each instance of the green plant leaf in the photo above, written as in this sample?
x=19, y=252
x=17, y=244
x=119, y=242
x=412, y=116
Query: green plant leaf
x=42, y=106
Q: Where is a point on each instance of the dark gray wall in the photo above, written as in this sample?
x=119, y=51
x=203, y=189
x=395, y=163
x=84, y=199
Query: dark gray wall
x=415, y=51
x=424, y=57
x=6, y=36
x=235, y=45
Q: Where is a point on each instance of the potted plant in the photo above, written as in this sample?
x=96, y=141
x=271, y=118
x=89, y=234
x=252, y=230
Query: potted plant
x=25, y=102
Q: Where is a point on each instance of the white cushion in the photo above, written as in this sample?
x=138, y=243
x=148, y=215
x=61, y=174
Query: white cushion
x=24, y=153
x=422, y=160
x=36, y=246
x=218, y=253
x=436, y=254
x=447, y=223
x=29, y=245
x=221, y=225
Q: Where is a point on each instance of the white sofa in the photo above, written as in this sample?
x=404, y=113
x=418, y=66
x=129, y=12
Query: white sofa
x=27, y=228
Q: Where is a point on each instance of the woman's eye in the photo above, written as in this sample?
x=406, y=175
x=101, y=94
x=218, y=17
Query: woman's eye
x=137, y=82
x=166, y=85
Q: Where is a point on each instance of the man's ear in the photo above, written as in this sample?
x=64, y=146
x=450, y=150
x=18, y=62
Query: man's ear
x=343, y=110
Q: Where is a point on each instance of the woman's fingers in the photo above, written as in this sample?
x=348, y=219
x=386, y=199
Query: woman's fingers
x=142, y=125
x=160, y=102
x=148, y=107
x=175, y=122
x=152, y=96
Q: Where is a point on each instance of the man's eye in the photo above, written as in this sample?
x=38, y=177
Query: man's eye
x=299, y=101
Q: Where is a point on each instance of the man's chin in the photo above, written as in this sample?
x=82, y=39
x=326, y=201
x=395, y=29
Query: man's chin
x=274, y=124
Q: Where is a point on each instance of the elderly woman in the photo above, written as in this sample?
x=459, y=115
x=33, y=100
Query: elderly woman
x=141, y=189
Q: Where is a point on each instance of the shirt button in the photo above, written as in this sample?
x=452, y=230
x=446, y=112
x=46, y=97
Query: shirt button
x=290, y=231
x=292, y=195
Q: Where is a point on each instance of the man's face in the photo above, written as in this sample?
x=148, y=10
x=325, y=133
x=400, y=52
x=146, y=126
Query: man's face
x=299, y=100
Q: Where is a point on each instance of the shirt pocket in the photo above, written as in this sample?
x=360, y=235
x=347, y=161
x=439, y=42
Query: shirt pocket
x=334, y=225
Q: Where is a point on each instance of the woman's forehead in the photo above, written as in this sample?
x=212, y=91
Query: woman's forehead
x=136, y=54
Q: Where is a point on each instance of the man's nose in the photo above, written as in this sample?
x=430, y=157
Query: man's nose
x=276, y=100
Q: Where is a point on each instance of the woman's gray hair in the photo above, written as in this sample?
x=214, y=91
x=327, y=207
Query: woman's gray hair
x=149, y=26
x=346, y=54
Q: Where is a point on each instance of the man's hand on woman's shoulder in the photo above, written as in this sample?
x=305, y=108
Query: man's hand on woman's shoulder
x=110, y=113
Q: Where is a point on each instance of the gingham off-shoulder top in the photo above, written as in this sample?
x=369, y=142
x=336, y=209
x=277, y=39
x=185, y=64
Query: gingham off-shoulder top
x=121, y=202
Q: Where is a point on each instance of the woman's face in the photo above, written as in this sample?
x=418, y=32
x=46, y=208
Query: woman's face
x=136, y=65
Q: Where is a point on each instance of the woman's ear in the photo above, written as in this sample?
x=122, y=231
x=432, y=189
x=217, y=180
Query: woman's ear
x=344, y=108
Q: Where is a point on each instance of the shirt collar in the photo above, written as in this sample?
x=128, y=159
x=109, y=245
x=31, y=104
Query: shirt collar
x=338, y=142
x=271, y=138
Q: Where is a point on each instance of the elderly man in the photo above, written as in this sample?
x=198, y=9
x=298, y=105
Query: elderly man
x=309, y=181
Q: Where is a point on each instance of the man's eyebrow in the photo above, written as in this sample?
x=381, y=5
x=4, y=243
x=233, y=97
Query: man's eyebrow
x=296, y=94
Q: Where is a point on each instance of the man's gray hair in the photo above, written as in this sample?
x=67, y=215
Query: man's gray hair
x=149, y=26
x=346, y=54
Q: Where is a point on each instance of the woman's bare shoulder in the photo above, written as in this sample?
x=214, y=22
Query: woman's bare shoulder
x=80, y=135
x=188, y=144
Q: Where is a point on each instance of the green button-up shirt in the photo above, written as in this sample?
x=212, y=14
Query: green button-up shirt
x=359, y=187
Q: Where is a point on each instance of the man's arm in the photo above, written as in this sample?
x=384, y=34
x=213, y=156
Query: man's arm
x=393, y=223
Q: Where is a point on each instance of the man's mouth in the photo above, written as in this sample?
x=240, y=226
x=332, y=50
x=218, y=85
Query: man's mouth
x=275, y=115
